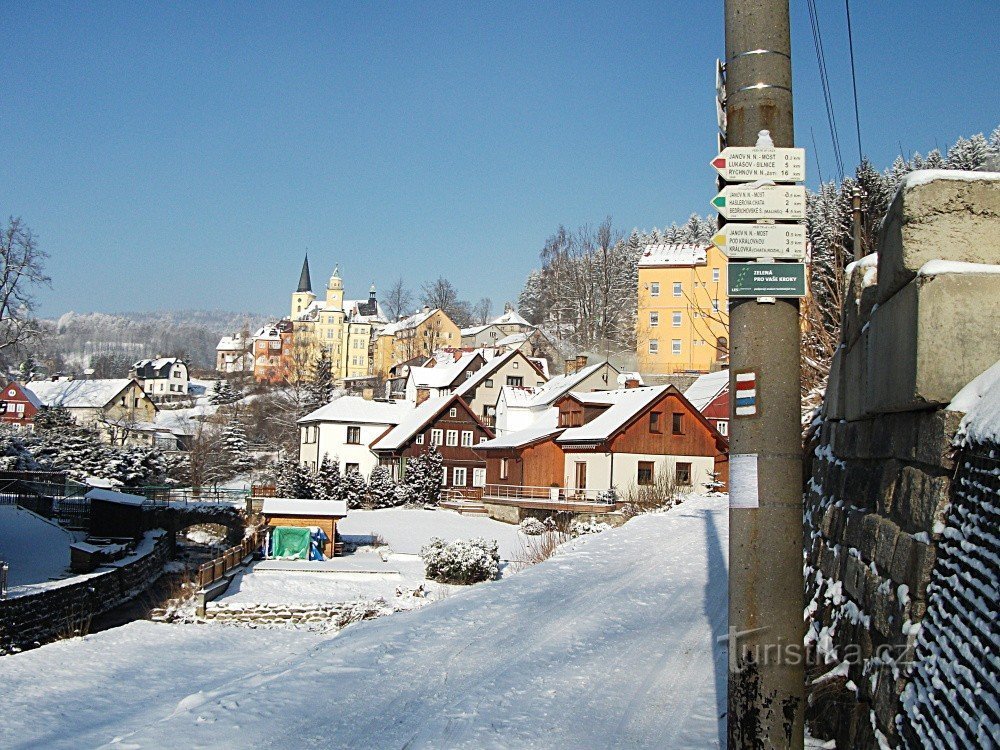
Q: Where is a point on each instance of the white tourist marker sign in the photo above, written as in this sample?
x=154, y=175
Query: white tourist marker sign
x=780, y=241
x=748, y=164
x=737, y=202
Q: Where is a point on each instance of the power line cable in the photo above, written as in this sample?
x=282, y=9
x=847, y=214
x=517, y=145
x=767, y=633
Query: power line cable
x=825, y=82
x=819, y=169
x=854, y=80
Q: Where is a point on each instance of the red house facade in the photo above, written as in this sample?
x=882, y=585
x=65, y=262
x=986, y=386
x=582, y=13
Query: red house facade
x=18, y=405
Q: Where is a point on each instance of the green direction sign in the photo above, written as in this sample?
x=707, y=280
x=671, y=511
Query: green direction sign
x=767, y=280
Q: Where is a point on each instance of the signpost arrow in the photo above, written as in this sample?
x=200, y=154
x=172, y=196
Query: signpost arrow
x=747, y=164
x=785, y=241
x=767, y=280
x=737, y=202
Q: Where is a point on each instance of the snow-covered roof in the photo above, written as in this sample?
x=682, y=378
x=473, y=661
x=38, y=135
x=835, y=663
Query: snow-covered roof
x=122, y=498
x=410, y=424
x=410, y=322
x=473, y=330
x=706, y=388
x=563, y=384
x=510, y=318
x=443, y=374
x=673, y=254
x=517, y=395
x=545, y=426
x=360, y=410
x=78, y=394
x=231, y=344
x=28, y=394
x=282, y=506
x=514, y=339
x=622, y=405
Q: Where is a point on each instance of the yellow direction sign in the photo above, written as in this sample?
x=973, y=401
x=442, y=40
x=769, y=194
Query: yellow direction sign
x=782, y=241
x=749, y=164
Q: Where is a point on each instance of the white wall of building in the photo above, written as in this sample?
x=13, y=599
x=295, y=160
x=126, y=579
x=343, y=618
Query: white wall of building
x=330, y=438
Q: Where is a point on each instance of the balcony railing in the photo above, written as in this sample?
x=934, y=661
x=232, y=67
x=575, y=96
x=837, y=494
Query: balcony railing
x=554, y=495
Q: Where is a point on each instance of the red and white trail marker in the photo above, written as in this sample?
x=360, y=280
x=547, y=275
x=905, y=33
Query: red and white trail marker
x=746, y=394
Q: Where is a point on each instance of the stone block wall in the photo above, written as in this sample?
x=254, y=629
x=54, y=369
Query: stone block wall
x=892, y=508
x=63, y=607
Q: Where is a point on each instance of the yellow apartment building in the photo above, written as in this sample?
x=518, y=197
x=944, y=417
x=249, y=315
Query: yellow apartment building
x=683, y=316
x=418, y=335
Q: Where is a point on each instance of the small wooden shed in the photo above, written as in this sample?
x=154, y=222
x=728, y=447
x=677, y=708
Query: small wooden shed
x=116, y=514
x=285, y=511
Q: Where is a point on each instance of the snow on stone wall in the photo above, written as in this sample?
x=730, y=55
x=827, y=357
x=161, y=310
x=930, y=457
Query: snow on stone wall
x=953, y=696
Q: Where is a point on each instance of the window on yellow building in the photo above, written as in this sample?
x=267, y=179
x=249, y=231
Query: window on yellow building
x=678, y=290
x=676, y=320
x=654, y=346
x=715, y=275
x=654, y=289
x=675, y=346
x=654, y=319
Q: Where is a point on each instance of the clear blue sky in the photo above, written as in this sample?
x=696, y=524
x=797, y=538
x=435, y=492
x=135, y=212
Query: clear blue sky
x=185, y=155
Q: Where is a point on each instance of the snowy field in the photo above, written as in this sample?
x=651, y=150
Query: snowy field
x=406, y=530
x=36, y=550
x=609, y=644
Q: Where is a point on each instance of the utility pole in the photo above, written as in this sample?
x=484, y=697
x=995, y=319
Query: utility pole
x=766, y=674
x=856, y=195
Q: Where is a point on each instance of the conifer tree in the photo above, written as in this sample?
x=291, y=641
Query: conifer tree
x=424, y=476
x=382, y=490
x=236, y=447
x=327, y=483
x=319, y=390
x=355, y=489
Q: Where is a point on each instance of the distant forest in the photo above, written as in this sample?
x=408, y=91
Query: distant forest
x=110, y=343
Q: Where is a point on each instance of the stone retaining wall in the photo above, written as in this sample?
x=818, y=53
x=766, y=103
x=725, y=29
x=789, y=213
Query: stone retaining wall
x=66, y=607
x=901, y=554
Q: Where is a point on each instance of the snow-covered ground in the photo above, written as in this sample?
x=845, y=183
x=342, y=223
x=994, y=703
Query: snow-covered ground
x=406, y=530
x=36, y=550
x=611, y=643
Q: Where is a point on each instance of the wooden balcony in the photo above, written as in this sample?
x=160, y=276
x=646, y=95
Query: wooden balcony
x=549, y=498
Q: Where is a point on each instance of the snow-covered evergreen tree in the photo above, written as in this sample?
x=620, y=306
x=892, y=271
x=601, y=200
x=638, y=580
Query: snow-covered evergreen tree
x=969, y=153
x=934, y=160
x=319, y=390
x=355, y=489
x=327, y=483
x=236, y=447
x=424, y=476
x=292, y=479
x=224, y=392
x=14, y=454
x=382, y=489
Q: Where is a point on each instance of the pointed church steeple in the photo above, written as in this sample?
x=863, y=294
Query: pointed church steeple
x=305, y=283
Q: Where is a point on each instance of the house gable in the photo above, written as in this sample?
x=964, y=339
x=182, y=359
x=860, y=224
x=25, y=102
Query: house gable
x=643, y=434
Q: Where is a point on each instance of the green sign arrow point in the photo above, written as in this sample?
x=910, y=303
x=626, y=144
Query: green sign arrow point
x=719, y=201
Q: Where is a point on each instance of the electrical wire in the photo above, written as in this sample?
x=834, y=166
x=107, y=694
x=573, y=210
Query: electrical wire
x=854, y=80
x=825, y=82
x=819, y=169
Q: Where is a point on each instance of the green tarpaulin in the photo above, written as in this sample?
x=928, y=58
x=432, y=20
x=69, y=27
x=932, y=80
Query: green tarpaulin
x=290, y=543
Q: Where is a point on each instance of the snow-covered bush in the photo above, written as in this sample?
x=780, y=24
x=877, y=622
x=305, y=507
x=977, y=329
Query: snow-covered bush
x=14, y=454
x=579, y=528
x=326, y=483
x=532, y=527
x=461, y=561
x=609, y=496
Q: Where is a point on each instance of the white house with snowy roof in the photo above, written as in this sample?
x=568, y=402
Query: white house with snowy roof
x=117, y=408
x=344, y=430
x=518, y=406
x=163, y=379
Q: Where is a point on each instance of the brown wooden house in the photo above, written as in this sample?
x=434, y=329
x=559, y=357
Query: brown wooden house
x=590, y=442
x=448, y=423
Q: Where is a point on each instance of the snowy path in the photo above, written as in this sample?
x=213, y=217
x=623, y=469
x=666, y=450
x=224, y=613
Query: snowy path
x=609, y=644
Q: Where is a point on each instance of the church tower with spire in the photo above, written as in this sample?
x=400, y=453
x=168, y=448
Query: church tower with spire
x=303, y=296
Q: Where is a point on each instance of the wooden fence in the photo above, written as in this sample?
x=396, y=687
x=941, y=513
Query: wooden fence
x=213, y=570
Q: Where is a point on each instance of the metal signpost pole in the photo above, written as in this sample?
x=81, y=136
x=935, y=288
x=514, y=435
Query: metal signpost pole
x=766, y=675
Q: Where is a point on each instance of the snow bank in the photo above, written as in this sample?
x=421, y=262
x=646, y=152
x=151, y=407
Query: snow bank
x=612, y=643
x=980, y=400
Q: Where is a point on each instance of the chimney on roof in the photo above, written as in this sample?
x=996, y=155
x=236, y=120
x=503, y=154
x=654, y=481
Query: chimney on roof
x=570, y=365
x=581, y=361
x=422, y=395
x=631, y=382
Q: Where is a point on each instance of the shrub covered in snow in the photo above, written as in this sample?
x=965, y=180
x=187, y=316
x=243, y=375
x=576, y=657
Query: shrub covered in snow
x=424, y=476
x=355, y=489
x=579, y=528
x=532, y=527
x=381, y=489
x=461, y=561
